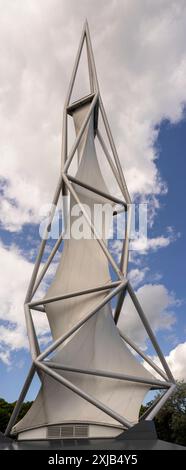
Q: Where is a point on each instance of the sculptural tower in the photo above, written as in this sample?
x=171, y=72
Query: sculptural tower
x=92, y=385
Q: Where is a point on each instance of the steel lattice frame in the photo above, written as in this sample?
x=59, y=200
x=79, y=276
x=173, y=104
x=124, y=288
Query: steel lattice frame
x=117, y=288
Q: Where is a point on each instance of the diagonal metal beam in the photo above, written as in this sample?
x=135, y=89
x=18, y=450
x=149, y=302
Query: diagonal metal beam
x=91, y=77
x=119, y=304
x=34, y=345
x=91, y=57
x=125, y=250
x=105, y=120
x=114, y=151
x=143, y=355
x=161, y=402
x=109, y=375
x=47, y=264
x=83, y=394
x=149, y=331
x=109, y=159
x=20, y=400
x=87, y=99
x=124, y=262
x=81, y=322
x=43, y=242
x=64, y=139
x=155, y=402
x=74, y=294
x=95, y=190
x=94, y=231
x=64, y=149
x=74, y=72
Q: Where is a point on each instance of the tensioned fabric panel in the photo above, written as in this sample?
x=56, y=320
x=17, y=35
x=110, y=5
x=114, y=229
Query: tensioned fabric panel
x=97, y=344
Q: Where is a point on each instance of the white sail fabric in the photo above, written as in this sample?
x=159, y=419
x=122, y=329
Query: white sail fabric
x=97, y=344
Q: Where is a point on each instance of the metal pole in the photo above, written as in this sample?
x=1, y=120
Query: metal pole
x=90, y=51
x=143, y=355
x=74, y=294
x=65, y=120
x=81, y=322
x=64, y=139
x=20, y=400
x=159, y=405
x=119, y=304
x=91, y=78
x=47, y=264
x=34, y=346
x=105, y=118
x=125, y=252
x=146, y=413
x=97, y=191
x=43, y=242
x=109, y=375
x=78, y=138
x=75, y=66
x=149, y=331
x=118, y=211
x=65, y=123
x=109, y=159
x=64, y=151
x=124, y=263
x=98, y=238
x=83, y=394
x=112, y=144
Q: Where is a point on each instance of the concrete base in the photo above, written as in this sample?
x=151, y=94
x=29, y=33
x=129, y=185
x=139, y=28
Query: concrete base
x=141, y=437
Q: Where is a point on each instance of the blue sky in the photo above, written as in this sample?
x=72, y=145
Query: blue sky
x=170, y=261
x=144, y=97
x=171, y=144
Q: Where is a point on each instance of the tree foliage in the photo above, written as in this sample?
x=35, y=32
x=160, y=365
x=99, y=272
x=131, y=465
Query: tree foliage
x=6, y=411
x=171, y=420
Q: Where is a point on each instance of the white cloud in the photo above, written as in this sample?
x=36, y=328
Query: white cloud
x=143, y=244
x=5, y=357
x=14, y=282
x=136, y=276
x=115, y=248
x=13, y=216
x=139, y=87
x=175, y=360
x=157, y=303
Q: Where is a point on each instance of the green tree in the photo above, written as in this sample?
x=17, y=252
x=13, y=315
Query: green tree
x=170, y=422
x=6, y=411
